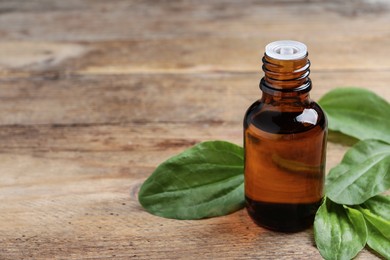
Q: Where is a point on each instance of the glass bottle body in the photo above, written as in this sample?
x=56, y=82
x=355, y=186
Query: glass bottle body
x=285, y=147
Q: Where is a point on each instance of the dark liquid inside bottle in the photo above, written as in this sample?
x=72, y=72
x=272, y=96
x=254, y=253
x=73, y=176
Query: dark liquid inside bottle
x=284, y=167
x=284, y=217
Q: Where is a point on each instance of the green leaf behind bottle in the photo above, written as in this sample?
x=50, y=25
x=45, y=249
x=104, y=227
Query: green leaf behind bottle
x=357, y=112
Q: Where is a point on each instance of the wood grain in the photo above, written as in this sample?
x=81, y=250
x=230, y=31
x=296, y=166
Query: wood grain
x=95, y=94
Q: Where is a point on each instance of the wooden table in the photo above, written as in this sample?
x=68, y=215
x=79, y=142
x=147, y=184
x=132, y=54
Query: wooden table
x=95, y=94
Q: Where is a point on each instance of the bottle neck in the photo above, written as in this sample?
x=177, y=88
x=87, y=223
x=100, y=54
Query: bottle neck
x=286, y=80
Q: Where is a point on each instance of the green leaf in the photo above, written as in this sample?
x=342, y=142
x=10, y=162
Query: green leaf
x=357, y=112
x=340, y=232
x=376, y=211
x=363, y=173
x=203, y=181
x=377, y=240
x=379, y=205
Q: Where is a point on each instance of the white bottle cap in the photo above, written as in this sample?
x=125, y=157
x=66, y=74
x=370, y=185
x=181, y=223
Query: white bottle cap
x=286, y=50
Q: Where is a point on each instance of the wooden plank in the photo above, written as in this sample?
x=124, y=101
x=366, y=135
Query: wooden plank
x=232, y=54
x=135, y=145
x=120, y=19
x=191, y=55
x=91, y=99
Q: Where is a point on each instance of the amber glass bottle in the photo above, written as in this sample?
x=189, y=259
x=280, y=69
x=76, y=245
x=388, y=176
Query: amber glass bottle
x=285, y=143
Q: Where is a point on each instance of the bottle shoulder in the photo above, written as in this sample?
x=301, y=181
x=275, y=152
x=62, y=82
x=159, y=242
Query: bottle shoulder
x=285, y=120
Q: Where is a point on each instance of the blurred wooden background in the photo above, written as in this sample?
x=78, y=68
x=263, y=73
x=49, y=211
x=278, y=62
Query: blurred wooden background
x=95, y=94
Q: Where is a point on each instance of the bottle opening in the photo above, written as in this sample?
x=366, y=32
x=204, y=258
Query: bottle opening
x=286, y=50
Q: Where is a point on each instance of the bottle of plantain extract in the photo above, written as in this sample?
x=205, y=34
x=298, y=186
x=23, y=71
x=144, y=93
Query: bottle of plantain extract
x=285, y=143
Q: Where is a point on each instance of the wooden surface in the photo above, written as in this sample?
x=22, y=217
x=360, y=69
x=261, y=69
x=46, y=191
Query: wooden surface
x=95, y=94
